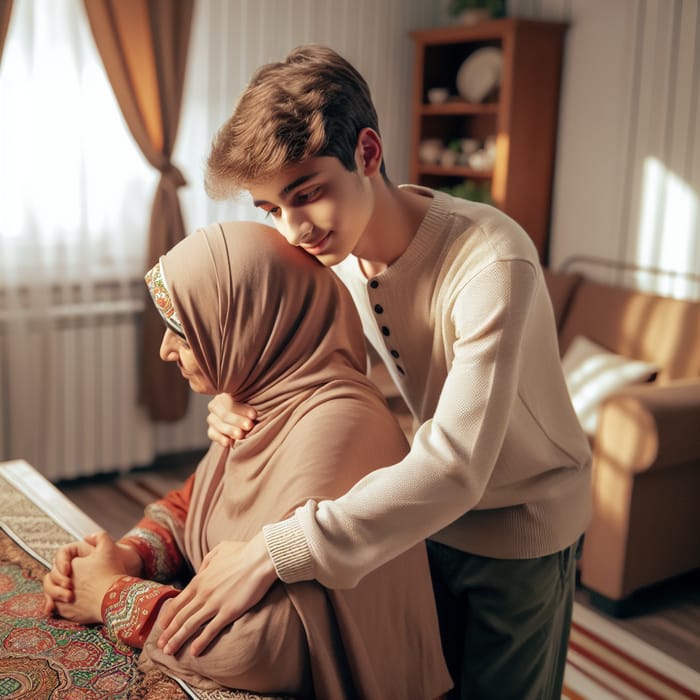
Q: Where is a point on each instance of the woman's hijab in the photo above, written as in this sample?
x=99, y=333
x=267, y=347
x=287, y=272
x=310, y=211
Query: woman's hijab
x=263, y=318
x=270, y=325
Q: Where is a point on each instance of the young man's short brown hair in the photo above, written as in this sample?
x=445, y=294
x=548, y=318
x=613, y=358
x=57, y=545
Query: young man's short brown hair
x=314, y=103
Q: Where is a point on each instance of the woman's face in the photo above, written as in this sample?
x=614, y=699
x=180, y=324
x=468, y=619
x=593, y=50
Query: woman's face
x=173, y=348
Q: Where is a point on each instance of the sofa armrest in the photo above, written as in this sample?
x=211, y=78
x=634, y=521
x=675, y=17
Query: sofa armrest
x=650, y=426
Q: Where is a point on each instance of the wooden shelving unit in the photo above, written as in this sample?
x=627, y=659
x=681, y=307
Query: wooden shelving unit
x=522, y=114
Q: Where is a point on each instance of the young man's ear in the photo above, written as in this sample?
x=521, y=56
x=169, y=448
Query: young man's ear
x=368, y=153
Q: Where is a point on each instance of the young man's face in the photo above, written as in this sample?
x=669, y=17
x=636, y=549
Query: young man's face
x=318, y=205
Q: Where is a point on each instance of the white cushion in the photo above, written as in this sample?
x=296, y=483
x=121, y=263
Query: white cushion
x=593, y=373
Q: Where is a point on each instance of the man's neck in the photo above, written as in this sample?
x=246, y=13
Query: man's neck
x=397, y=216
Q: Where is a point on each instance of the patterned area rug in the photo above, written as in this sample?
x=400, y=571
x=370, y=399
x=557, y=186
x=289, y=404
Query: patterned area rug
x=606, y=663
x=43, y=657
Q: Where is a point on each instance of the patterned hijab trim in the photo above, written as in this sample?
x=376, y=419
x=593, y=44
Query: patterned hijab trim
x=158, y=288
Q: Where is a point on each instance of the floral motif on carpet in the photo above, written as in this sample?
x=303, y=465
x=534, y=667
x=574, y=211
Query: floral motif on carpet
x=44, y=657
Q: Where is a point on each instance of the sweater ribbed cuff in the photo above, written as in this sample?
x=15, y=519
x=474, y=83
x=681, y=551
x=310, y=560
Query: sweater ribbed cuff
x=289, y=551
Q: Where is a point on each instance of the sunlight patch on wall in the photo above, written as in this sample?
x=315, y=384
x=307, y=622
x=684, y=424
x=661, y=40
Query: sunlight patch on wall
x=668, y=230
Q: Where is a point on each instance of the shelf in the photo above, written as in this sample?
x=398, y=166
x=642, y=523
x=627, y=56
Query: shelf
x=455, y=171
x=459, y=33
x=522, y=115
x=459, y=107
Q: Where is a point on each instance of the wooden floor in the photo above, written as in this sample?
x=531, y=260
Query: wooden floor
x=668, y=616
x=116, y=501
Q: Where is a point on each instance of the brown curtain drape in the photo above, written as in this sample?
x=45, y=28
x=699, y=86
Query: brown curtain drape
x=5, y=12
x=143, y=44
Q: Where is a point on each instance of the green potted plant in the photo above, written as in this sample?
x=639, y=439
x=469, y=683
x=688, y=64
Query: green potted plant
x=471, y=11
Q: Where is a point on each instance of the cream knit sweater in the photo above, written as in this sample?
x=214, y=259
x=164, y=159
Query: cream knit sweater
x=500, y=466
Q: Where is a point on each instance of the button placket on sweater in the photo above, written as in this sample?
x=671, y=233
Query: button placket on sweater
x=385, y=330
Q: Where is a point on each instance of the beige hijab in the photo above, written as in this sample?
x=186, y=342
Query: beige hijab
x=274, y=328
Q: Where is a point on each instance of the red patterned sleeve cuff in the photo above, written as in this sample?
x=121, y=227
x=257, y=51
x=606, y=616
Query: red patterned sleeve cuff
x=130, y=608
x=162, y=560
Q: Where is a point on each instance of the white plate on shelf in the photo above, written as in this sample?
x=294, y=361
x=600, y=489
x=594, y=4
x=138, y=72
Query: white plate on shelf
x=480, y=74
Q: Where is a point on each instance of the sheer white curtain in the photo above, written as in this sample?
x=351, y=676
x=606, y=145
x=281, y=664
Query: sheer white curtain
x=75, y=190
x=75, y=197
x=75, y=200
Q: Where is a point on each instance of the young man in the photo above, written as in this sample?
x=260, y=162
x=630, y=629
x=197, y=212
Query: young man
x=452, y=297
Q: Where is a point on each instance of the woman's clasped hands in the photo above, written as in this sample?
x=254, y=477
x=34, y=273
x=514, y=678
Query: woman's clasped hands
x=82, y=573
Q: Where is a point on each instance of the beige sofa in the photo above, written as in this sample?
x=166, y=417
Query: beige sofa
x=646, y=447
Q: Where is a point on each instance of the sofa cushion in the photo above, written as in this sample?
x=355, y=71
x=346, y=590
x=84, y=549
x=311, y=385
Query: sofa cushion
x=593, y=373
x=652, y=328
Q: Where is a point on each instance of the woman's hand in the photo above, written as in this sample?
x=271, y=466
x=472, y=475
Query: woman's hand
x=234, y=576
x=58, y=584
x=229, y=421
x=99, y=563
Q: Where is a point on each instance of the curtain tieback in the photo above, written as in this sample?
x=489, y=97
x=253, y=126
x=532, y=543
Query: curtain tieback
x=173, y=175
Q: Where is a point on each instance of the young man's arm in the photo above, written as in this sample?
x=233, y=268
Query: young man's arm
x=452, y=455
x=388, y=511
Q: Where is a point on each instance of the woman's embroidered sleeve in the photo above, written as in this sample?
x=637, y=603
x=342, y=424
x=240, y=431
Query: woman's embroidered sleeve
x=155, y=536
x=130, y=608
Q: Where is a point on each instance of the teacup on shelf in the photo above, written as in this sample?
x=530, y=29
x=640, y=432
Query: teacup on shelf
x=430, y=150
x=438, y=95
x=468, y=146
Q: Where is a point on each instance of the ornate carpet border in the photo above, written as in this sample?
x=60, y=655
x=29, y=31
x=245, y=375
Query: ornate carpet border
x=39, y=535
x=30, y=527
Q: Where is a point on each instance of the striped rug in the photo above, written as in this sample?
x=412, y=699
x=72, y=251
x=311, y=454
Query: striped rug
x=605, y=662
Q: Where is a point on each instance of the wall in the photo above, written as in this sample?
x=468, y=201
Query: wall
x=628, y=165
x=231, y=40
x=628, y=170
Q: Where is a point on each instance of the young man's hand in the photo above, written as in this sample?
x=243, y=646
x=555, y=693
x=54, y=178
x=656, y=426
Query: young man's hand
x=228, y=420
x=233, y=577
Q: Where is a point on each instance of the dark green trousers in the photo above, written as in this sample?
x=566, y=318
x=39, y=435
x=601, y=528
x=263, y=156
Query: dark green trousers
x=504, y=622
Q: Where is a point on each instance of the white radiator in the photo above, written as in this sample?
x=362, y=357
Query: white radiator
x=69, y=385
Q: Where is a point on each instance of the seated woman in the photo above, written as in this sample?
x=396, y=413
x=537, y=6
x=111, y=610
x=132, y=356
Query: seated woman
x=250, y=315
